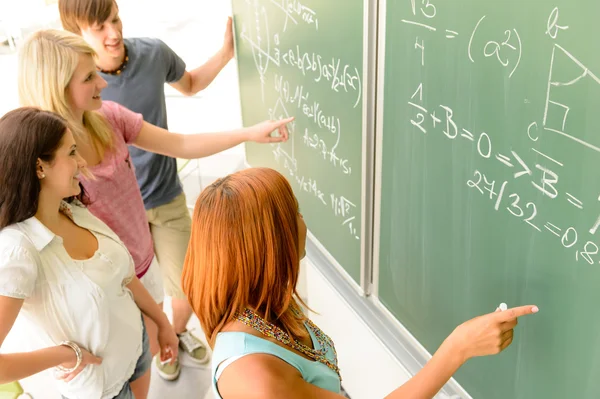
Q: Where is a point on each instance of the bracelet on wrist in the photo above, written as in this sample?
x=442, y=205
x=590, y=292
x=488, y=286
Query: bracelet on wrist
x=78, y=354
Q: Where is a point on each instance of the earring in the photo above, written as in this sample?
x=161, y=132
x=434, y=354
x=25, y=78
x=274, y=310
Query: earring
x=43, y=175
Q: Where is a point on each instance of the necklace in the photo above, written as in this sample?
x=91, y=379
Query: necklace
x=66, y=209
x=251, y=319
x=121, y=67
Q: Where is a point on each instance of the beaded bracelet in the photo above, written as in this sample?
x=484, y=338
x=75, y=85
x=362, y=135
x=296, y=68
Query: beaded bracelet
x=78, y=353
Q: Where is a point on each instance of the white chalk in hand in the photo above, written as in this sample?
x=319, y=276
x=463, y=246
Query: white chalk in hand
x=503, y=306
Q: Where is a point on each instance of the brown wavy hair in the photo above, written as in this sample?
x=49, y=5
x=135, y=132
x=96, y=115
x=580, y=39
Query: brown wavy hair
x=26, y=135
x=244, y=252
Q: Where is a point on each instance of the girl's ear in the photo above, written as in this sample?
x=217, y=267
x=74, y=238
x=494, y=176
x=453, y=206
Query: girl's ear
x=39, y=169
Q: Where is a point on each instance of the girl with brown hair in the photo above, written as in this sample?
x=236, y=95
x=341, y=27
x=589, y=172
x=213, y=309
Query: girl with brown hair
x=66, y=272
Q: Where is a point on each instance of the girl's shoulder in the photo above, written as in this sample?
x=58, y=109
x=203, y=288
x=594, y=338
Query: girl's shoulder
x=124, y=122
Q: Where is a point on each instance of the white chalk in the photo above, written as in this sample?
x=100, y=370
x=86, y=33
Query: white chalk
x=503, y=306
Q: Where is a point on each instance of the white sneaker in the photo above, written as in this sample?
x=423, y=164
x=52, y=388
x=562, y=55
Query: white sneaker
x=195, y=348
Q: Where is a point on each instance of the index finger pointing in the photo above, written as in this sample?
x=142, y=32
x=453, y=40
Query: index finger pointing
x=282, y=122
x=519, y=311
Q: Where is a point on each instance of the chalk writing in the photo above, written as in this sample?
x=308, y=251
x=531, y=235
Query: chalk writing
x=540, y=167
x=293, y=77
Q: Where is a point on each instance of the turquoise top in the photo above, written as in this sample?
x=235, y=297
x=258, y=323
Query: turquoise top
x=230, y=346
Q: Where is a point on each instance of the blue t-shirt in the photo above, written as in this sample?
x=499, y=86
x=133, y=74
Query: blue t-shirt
x=141, y=88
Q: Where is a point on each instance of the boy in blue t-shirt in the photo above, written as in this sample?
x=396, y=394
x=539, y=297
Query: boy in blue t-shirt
x=136, y=70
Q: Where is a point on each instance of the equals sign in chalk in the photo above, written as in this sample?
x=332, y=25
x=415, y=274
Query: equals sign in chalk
x=504, y=159
x=450, y=34
x=574, y=201
x=553, y=229
x=466, y=134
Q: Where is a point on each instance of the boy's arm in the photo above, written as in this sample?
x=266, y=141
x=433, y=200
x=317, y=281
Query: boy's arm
x=199, y=78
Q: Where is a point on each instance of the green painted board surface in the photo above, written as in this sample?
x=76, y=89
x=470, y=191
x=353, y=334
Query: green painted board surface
x=491, y=184
x=305, y=59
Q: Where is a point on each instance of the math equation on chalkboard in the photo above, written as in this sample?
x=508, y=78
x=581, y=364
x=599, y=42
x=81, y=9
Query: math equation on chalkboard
x=540, y=170
x=323, y=89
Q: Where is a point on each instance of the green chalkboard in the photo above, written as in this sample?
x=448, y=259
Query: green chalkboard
x=490, y=184
x=305, y=59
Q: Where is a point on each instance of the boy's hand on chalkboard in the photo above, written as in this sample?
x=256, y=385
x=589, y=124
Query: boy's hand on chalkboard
x=488, y=334
x=261, y=133
x=228, y=40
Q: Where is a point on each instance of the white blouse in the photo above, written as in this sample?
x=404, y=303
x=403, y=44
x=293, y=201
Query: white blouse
x=86, y=302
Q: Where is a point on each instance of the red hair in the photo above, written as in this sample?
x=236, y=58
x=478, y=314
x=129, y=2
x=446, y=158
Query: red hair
x=244, y=252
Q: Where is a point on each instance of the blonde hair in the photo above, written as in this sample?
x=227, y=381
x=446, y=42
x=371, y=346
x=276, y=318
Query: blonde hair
x=244, y=252
x=47, y=61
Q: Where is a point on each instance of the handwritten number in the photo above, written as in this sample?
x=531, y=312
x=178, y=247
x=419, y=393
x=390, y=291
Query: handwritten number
x=473, y=184
x=490, y=187
x=586, y=254
x=515, y=205
x=533, y=214
x=565, y=238
x=428, y=5
x=505, y=43
x=419, y=122
x=520, y=213
x=489, y=145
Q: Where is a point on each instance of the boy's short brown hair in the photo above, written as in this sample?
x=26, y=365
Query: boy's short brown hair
x=80, y=14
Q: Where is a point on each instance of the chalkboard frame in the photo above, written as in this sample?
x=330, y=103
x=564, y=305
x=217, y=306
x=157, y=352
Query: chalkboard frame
x=370, y=15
